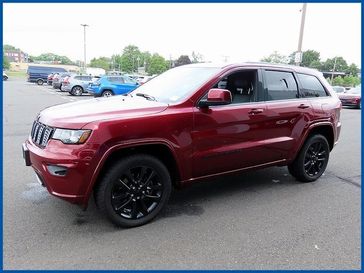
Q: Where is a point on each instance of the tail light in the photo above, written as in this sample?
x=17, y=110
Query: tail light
x=66, y=80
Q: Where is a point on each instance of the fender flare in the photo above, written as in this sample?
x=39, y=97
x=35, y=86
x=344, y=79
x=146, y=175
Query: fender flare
x=120, y=146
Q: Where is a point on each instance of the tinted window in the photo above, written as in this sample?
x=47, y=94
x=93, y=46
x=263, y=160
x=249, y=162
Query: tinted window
x=116, y=79
x=280, y=85
x=311, y=86
x=129, y=80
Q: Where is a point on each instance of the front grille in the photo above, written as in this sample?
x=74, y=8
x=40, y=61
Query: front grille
x=41, y=133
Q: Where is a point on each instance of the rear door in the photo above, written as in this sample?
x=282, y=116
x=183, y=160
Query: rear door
x=288, y=112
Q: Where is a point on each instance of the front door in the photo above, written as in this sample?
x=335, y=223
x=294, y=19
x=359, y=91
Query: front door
x=230, y=137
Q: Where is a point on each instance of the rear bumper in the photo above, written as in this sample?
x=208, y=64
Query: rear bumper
x=66, y=88
x=71, y=184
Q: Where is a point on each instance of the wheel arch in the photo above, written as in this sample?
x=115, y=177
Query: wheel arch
x=161, y=150
x=323, y=128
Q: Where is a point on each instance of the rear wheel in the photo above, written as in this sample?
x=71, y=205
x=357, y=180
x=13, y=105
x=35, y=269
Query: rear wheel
x=107, y=93
x=77, y=91
x=40, y=82
x=5, y=78
x=134, y=190
x=312, y=159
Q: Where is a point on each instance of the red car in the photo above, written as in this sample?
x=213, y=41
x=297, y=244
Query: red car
x=352, y=97
x=190, y=123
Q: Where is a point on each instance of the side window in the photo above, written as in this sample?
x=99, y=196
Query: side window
x=119, y=79
x=280, y=85
x=311, y=86
x=243, y=86
x=128, y=80
x=78, y=77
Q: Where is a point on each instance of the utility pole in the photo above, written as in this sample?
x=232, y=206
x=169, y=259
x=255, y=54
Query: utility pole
x=333, y=70
x=84, y=46
x=298, y=57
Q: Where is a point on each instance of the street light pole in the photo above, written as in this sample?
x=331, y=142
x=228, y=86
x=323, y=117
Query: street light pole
x=84, y=46
x=299, y=50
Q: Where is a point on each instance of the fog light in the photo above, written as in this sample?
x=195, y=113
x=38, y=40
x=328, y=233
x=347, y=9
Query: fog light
x=57, y=170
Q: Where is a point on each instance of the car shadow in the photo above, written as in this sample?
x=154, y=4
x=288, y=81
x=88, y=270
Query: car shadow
x=191, y=200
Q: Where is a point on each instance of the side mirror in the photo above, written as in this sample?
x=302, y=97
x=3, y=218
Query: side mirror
x=216, y=96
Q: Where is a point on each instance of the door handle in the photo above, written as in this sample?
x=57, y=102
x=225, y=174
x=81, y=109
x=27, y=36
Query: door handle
x=255, y=111
x=303, y=106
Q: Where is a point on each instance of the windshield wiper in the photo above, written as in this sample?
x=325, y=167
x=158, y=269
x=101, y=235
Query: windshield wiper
x=148, y=97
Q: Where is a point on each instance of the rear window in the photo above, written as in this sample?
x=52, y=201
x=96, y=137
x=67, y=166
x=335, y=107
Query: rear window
x=311, y=86
x=280, y=85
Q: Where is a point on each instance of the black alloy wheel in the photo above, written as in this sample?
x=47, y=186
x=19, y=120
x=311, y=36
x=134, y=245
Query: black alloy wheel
x=134, y=190
x=312, y=159
x=315, y=158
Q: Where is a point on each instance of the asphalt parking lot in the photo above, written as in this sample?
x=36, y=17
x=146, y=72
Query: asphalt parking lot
x=256, y=220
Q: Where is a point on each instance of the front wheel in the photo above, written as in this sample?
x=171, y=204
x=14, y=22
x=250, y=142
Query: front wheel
x=134, y=190
x=312, y=159
x=40, y=82
x=5, y=78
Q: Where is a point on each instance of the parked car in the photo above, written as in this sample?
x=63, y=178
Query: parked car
x=76, y=84
x=58, y=79
x=39, y=74
x=351, y=97
x=180, y=128
x=108, y=86
x=339, y=89
x=50, y=78
x=5, y=77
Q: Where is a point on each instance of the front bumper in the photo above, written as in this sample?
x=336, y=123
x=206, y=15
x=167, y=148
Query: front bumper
x=70, y=185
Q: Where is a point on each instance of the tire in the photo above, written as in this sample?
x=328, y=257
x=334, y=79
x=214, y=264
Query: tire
x=77, y=91
x=107, y=93
x=312, y=159
x=359, y=105
x=134, y=190
x=40, y=82
x=5, y=78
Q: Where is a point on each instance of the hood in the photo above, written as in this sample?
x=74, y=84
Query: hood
x=75, y=115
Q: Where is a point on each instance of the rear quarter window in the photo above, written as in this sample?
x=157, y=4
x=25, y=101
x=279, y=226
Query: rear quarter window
x=311, y=86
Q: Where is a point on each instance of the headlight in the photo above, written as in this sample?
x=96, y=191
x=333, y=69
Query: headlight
x=71, y=136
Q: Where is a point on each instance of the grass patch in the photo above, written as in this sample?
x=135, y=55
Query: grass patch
x=18, y=74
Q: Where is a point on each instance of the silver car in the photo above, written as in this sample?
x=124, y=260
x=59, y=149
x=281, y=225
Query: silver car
x=76, y=84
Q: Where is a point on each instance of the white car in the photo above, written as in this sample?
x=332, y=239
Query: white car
x=5, y=77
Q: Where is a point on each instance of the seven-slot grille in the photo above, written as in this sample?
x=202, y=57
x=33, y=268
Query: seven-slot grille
x=41, y=133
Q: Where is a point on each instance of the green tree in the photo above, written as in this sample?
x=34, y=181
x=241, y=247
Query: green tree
x=6, y=64
x=341, y=65
x=182, y=60
x=157, y=64
x=338, y=81
x=276, y=58
x=101, y=62
x=196, y=57
x=352, y=70
x=316, y=65
x=130, y=58
x=310, y=56
x=51, y=57
x=9, y=47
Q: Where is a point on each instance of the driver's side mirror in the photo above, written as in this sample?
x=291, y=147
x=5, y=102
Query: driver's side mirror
x=216, y=96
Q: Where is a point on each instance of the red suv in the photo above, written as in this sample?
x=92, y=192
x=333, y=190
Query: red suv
x=190, y=123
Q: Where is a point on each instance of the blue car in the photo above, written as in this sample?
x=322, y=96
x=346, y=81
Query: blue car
x=108, y=86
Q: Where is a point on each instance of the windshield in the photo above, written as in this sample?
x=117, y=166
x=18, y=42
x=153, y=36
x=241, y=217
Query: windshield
x=356, y=90
x=176, y=84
